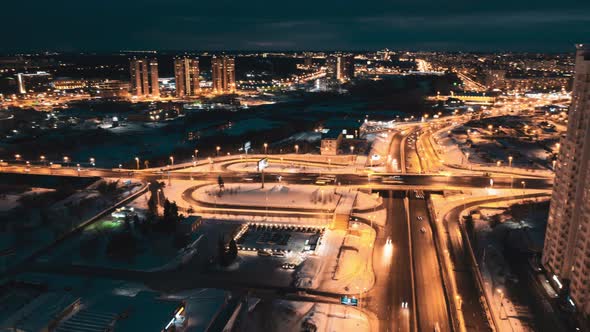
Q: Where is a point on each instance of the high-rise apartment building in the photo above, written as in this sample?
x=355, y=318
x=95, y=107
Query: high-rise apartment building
x=223, y=73
x=35, y=82
x=144, y=77
x=566, y=253
x=186, y=74
x=340, y=67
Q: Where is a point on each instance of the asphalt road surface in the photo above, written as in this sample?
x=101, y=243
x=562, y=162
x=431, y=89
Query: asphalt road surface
x=391, y=263
x=430, y=296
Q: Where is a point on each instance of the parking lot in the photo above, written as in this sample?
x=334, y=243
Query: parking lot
x=279, y=240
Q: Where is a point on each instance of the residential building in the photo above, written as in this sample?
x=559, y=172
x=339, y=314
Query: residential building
x=223, y=73
x=144, y=77
x=34, y=82
x=186, y=74
x=340, y=67
x=566, y=252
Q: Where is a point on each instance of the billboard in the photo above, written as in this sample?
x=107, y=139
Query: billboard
x=352, y=301
x=262, y=164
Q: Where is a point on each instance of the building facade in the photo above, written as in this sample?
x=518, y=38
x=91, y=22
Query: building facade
x=186, y=74
x=34, y=82
x=340, y=67
x=144, y=77
x=109, y=88
x=566, y=252
x=223, y=74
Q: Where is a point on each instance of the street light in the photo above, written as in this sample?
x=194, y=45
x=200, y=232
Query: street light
x=171, y=160
x=66, y=159
x=137, y=162
x=351, y=149
x=217, y=148
x=92, y=161
x=509, y=161
x=265, y=148
x=296, y=148
x=196, y=154
x=17, y=156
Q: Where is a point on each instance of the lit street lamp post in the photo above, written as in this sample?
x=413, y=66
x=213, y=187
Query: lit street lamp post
x=509, y=161
x=92, y=162
x=196, y=154
x=217, y=148
x=171, y=161
x=265, y=148
x=137, y=162
x=296, y=148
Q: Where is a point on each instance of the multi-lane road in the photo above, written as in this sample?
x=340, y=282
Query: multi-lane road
x=430, y=296
x=408, y=294
x=392, y=267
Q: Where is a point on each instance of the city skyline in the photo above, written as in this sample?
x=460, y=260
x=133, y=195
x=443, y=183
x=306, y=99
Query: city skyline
x=317, y=166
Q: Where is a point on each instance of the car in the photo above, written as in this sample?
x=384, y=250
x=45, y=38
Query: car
x=278, y=254
x=264, y=253
x=423, y=230
x=404, y=305
x=288, y=266
x=388, y=242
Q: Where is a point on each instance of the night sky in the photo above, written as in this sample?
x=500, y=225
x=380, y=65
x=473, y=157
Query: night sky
x=474, y=25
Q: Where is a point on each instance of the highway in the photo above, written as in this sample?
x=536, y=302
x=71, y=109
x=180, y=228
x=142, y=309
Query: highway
x=475, y=319
x=391, y=265
x=395, y=148
x=374, y=180
x=430, y=296
x=408, y=294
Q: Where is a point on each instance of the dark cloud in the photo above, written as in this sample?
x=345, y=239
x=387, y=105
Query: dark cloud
x=96, y=25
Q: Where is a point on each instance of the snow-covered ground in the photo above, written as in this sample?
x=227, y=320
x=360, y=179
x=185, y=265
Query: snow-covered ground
x=444, y=204
x=342, y=263
x=281, y=315
x=366, y=201
x=292, y=167
x=60, y=218
x=10, y=201
x=273, y=195
x=449, y=151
